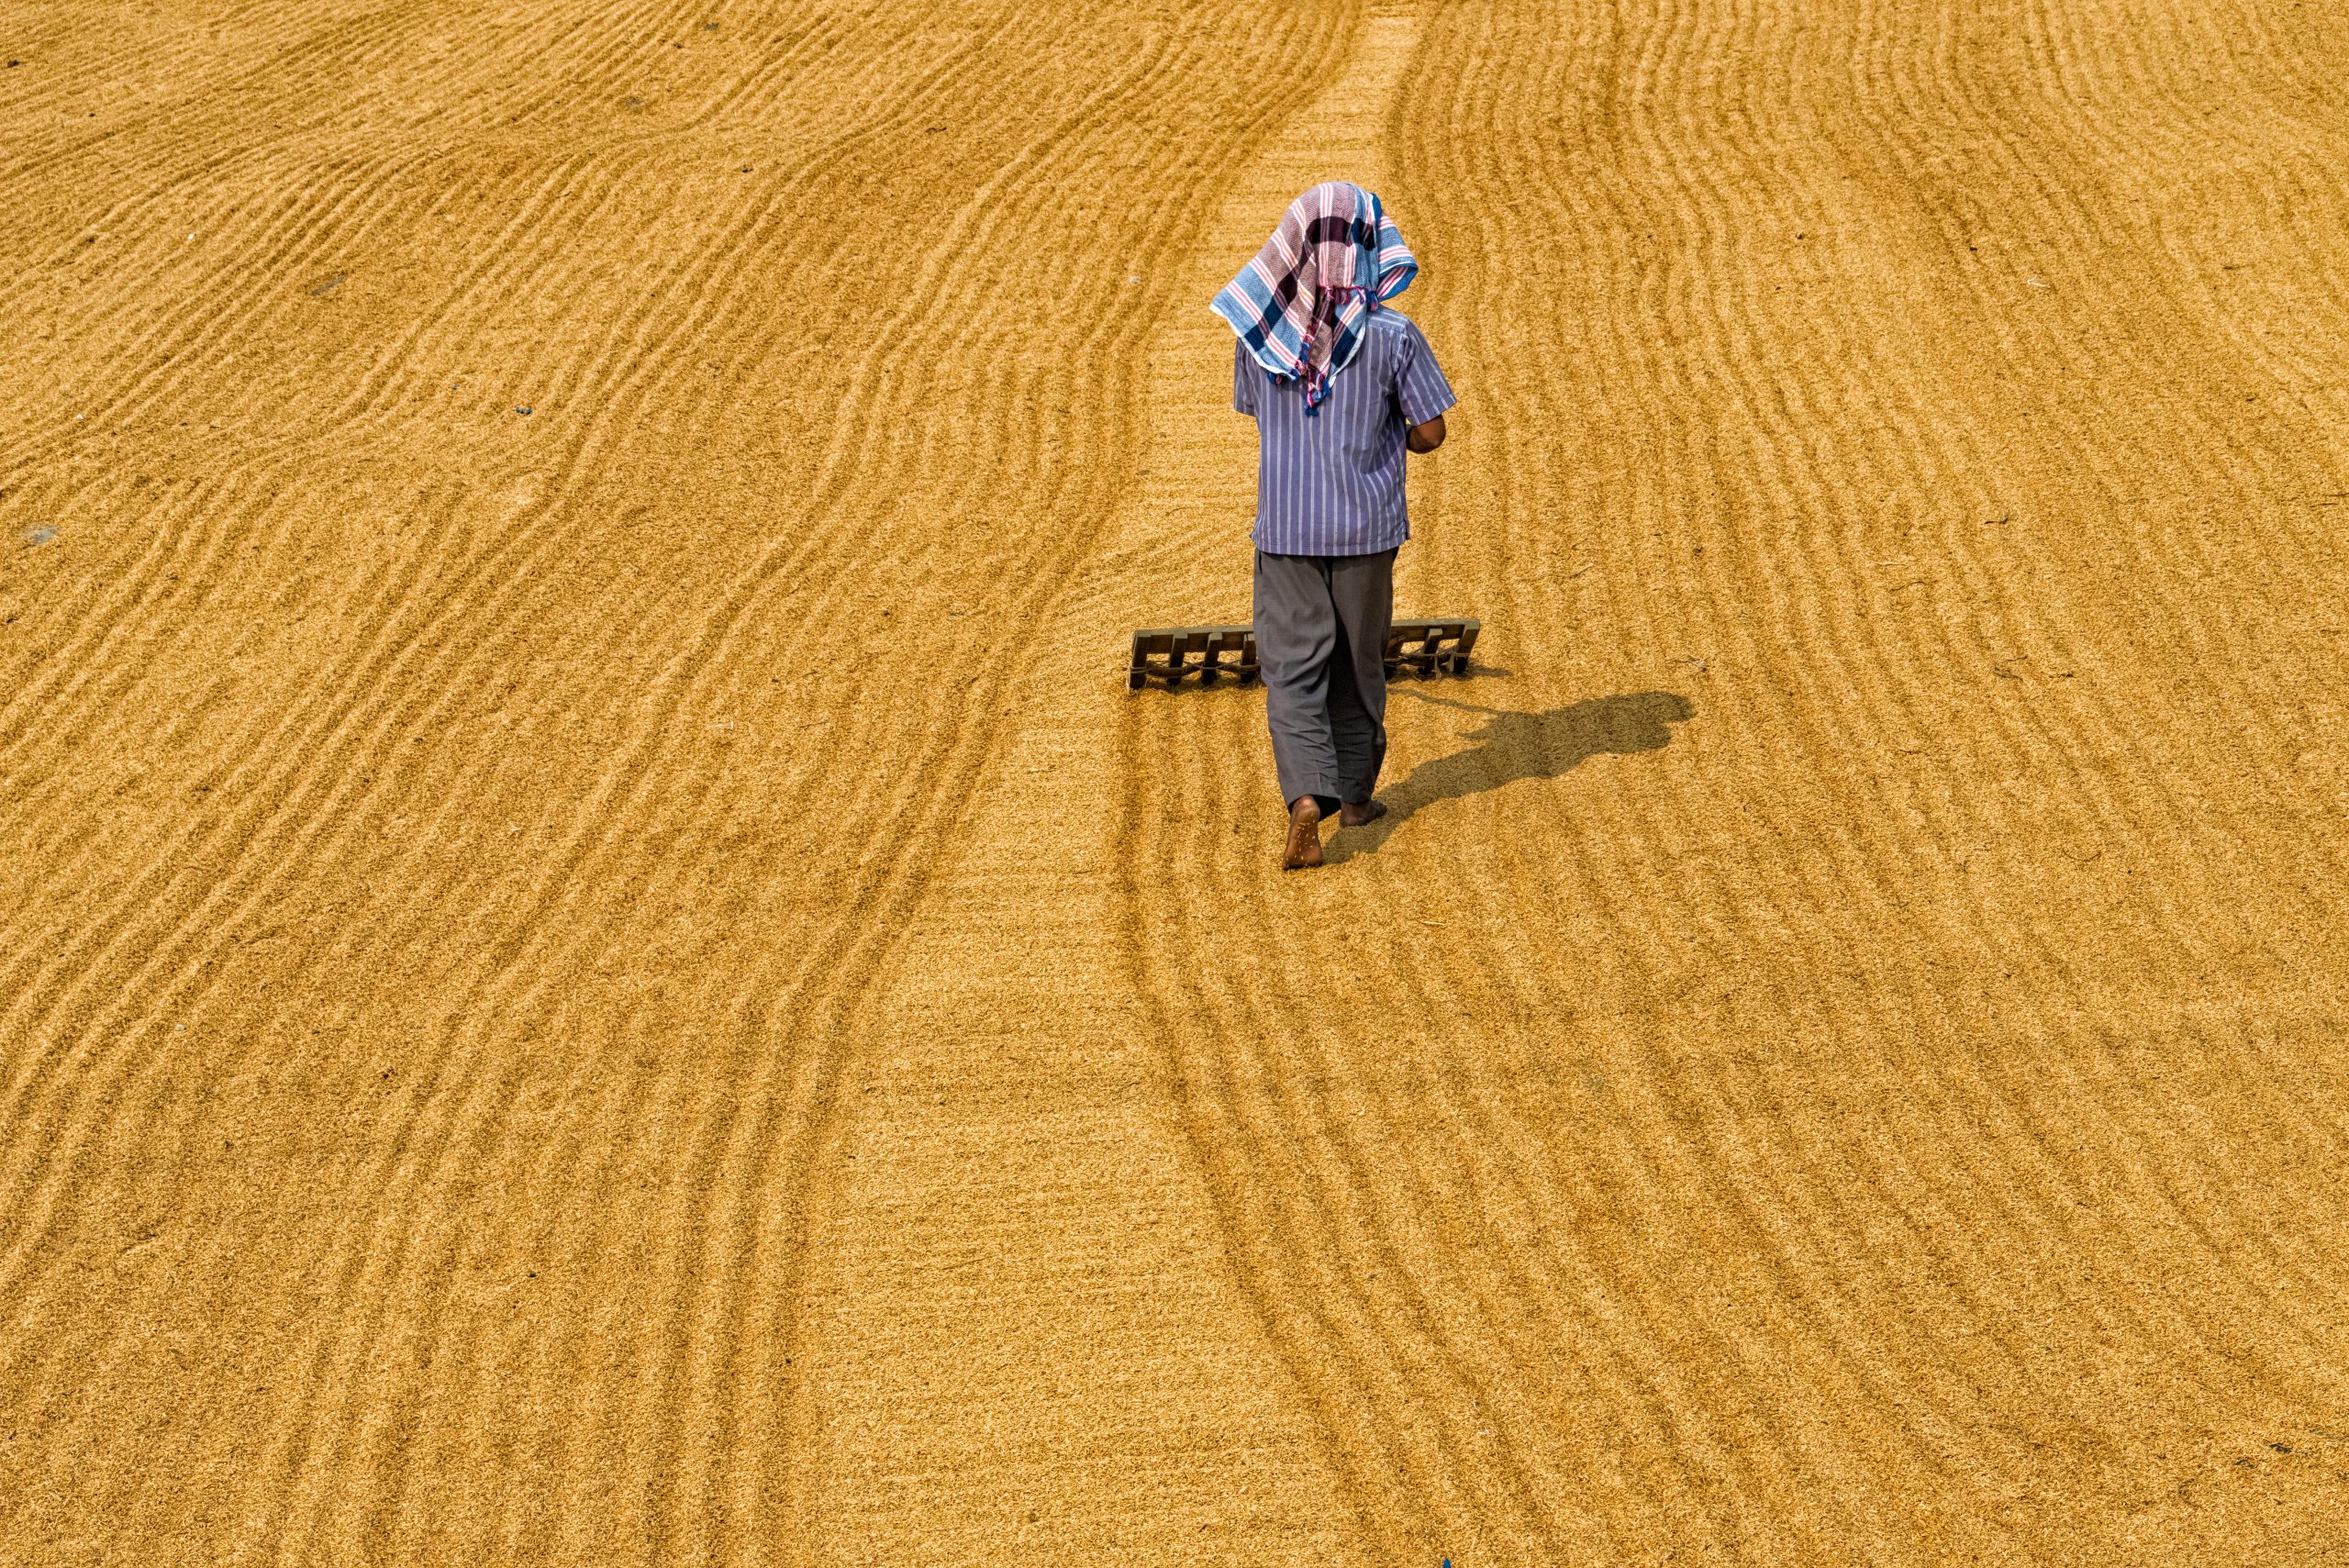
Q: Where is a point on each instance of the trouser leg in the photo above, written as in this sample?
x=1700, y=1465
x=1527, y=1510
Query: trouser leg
x=1296, y=634
x=1361, y=592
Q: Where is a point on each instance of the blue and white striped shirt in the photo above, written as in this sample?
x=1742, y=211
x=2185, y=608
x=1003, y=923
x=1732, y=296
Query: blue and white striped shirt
x=1332, y=484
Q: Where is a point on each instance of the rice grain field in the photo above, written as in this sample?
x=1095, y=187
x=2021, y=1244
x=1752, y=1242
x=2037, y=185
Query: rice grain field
x=598, y=967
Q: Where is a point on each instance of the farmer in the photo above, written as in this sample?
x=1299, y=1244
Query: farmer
x=1340, y=387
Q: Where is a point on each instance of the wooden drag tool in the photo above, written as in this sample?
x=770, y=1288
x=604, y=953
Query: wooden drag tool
x=1173, y=654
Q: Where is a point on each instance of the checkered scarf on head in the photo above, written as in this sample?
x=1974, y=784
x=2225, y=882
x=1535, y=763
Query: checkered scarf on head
x=1302, y=304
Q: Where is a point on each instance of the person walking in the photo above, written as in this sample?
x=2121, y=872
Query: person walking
x=1341, y=387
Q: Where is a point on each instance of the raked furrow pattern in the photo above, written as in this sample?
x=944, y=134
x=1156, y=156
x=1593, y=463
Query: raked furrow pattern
x=596, y=967
x=1830, y=1056
x=399, y=763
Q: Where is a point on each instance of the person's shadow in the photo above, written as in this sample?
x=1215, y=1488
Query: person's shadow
x=1519, y=745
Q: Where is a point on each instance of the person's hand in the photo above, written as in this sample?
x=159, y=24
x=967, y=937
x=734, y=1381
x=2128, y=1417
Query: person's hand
x=1425, y=437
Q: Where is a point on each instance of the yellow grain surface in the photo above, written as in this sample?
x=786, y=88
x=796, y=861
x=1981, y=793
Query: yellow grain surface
x=624, y=984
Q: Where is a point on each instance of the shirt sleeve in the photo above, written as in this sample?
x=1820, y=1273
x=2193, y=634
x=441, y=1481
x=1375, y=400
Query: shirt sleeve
x=1420, y=390
x=1245, y=376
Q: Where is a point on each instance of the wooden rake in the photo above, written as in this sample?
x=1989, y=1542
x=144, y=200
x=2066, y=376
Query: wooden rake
x=1172, y=654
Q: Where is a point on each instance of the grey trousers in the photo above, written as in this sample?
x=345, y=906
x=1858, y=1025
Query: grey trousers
x=1321, y=625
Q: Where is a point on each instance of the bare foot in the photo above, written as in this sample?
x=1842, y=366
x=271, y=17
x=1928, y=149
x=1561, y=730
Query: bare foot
x=1304, y=851
x=1353, y=814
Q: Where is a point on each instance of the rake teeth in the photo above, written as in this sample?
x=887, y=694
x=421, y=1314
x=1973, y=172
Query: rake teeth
x=1431, y=646
x=1172, y=654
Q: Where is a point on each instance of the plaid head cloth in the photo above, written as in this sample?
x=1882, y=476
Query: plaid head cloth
x=1299, y=305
